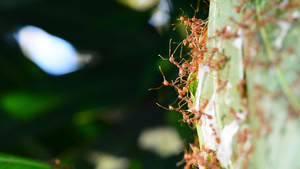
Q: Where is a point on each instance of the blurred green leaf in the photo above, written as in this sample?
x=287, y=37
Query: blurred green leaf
x=25, y=105
x=126, y=49
x=13, y=162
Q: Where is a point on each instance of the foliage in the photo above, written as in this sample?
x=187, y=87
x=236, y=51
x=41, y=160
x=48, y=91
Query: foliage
x=11, y=162
x=101, y=109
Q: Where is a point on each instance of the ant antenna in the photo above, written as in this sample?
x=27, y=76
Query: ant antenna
x=156, y=88
x=206, y=2
x=182, y=12
x=162, y=106
x=162, y=57
x=181, y=19
x=165, y=82
x=176, y=48
x=194, y=8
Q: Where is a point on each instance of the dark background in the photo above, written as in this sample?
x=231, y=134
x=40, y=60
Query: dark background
x=102, y=107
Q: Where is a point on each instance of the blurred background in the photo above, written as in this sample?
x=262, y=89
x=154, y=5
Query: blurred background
x=75, y=77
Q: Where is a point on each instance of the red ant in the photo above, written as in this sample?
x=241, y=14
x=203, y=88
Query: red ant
x=171, y=56
x=243, y=137
x=165, y=82
x=196, y=158
x=183, y=20
x=183, y=112
x=234, y=113
x=238, y=8
x=217, y=63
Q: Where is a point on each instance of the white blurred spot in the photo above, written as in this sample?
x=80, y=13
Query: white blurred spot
x=228, y=28
x=159, y=18
x=161, y=15
x=284, y=26
x=140, y=5
x=206, y=68
x=229, y=85
x=219, y=45
x=242, y=116
x=164, y=141
x=108, y=161
x=225, y=148
x=200, y=77
x=283, y=3
x=295, y=15
x=238, y=42
x=52, y=54
x=207, y=130
x=227, y=98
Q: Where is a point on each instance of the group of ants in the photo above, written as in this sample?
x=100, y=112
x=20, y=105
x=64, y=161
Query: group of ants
x=188, y=68
x=187, y=76
x=200, y=55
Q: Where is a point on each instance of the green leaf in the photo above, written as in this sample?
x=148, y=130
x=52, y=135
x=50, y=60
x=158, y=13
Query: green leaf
x=24, y=105
x=193, y=86
x=13, y=162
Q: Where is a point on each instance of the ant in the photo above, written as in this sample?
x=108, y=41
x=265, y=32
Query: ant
x=184, y=113
x=239, y=7
x=183, y=20
x=164, y=83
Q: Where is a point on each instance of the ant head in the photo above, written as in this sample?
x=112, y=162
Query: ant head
x=166, y=83
x=171, y=59
x=171, y=108
x=194, y=19
x=182, y=18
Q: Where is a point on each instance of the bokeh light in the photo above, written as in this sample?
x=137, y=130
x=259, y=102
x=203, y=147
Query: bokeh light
x=52, y=54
